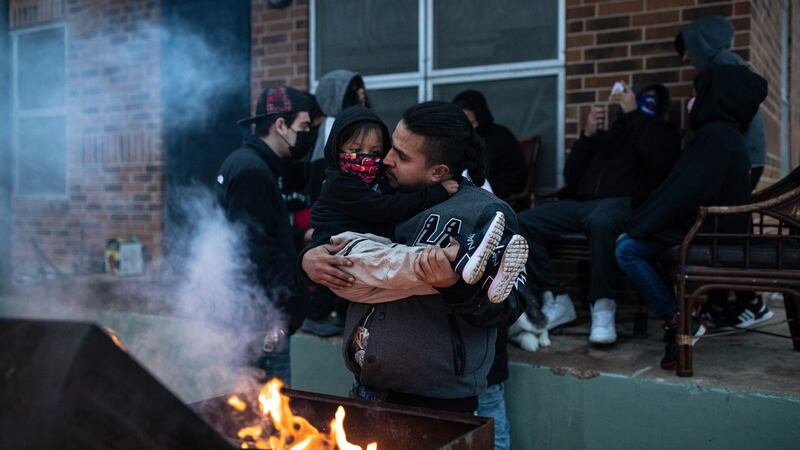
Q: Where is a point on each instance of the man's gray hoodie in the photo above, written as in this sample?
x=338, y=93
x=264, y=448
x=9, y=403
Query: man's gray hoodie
x=330, y=93
x=708, y=41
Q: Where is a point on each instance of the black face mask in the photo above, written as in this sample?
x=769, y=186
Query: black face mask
x=302, y=144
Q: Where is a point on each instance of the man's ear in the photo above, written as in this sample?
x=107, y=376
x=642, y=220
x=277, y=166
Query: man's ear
x=280, y=124
x=439, y=173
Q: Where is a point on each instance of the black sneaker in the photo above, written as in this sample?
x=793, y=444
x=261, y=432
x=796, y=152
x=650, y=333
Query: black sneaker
x=670, y=358
x=476, y=248
x=750, y=315
x=712, y=317
x=504, y=267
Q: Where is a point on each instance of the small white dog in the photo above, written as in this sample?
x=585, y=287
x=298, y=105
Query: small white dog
x=530, y=330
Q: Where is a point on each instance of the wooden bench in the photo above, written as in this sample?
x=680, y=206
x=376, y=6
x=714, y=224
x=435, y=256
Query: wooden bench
x=766, y=257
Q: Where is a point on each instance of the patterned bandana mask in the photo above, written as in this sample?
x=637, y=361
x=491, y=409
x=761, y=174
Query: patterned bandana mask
x=647, y=105
x=363, y=165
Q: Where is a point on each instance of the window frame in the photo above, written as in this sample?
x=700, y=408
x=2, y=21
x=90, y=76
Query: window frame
x=426, y=77
x=33, y=113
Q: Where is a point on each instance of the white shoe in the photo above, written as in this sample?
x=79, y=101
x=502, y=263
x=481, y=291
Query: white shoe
x=558, y=310
x=603, y=329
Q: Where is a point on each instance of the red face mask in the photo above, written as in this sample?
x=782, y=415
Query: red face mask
x=363, y=165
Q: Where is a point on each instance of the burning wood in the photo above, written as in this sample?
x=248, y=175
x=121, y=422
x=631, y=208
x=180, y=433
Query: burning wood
x=293, y=432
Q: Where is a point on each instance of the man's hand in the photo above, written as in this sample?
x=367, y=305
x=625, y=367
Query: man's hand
x=451, y=186
x=322, y=266
x=432, y=267
x=594, y=120
x=625, y=99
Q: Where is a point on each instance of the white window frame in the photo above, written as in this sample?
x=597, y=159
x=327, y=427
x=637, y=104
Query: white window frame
x=491, y=72
x=17, y=113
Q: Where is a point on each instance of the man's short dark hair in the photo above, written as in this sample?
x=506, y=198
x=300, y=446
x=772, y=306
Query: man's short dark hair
x=449, y=138
x=263, y=126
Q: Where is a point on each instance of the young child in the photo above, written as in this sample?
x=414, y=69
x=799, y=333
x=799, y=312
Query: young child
x=355, y=207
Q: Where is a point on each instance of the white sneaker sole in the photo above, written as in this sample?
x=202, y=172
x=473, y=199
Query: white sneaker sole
x=603, y=340
x=473, y=270
x=514, y=258
x=566, y=318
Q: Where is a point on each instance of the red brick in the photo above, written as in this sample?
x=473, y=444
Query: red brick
x=626, y=7
x=614, y=37
x=592, y=54
x=661, y=18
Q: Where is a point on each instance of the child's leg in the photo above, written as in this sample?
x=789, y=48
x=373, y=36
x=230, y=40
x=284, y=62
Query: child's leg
x=384, y=271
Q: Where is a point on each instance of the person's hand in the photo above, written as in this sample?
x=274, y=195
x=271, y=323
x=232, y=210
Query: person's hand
x=307, y=236
x=432, y=267
x=450, y=185
x=322, y=266
x=594, y=120
x=625, y=99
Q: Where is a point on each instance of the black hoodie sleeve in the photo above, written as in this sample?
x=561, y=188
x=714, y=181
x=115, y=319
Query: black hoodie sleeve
x=355, y=199
x=694, y=182
x=656, y=143
x=580, y=156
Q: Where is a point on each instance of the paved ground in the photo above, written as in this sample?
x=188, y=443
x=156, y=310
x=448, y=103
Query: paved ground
x=746, y=361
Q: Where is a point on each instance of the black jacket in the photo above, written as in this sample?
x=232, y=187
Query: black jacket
x=507, y=169
x=629, y=160
x=714, y=166
x=348, y=204
x=249, y=192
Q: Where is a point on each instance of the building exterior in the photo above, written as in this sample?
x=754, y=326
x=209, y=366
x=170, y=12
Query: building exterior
x=94, y=153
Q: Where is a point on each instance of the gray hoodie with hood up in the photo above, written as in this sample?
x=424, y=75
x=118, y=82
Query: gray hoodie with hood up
x=708, y=41
x=330, y=92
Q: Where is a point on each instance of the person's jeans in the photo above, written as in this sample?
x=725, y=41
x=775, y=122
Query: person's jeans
x=600, y=220
x=638, y=261
x=277, y=363
x=492, y=403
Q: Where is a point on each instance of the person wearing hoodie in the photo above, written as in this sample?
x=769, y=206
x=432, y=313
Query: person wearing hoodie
x=713, y=169
x=336, y=91
x=704, y=42
x=608, y=174
x=507, y=168
x=357, y=205
x=248, y=187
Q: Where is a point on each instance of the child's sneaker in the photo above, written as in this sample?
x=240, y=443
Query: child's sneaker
x=504, y=267
x=476, y=248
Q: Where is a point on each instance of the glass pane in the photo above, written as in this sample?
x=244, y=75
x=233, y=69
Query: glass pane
x=41, y=156
x=527, y=106
x=369, y=37
x=40, y=69
x=389, y=104
x=474, y=32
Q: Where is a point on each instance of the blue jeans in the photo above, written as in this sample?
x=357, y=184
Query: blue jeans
x=492, y=403
x=277, y=363
x=638, y=260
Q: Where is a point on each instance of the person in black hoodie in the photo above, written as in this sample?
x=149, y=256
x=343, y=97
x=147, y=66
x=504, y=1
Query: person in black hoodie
x=248, y=185
x=357, y=205
x=608, y=174
x=507, y=169
x=713, y=170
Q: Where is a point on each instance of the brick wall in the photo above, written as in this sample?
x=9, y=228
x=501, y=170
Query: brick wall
x=114, y=144
x=279, y=52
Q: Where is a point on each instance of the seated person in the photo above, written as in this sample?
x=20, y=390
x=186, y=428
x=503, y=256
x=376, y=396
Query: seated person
x=353, y=206
x=713, y=170
x=608, y=174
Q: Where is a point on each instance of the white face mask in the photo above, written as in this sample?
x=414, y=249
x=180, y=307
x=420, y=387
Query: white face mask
x=690, y=104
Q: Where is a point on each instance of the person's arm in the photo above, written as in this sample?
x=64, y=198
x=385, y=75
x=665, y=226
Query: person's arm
x=508, y=171
x=657, y=143
x=355, y=199
x=692, y=184
x=580, y=156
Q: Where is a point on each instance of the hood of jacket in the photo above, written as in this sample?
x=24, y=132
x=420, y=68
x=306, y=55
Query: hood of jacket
x=477, y=103
x=331, y=90
x=727, y=93
x=708, y=40
x=346, y=118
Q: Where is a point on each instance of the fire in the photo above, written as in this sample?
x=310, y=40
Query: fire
x=293, y=432
x=114, y=338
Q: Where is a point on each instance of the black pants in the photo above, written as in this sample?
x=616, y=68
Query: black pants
x=602, y=221
x=323, y=303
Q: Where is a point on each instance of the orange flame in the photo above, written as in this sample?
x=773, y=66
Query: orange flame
x=114, y=338
x=293, y=432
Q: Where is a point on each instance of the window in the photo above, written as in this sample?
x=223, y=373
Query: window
x=414, y=50
x=39, y=111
